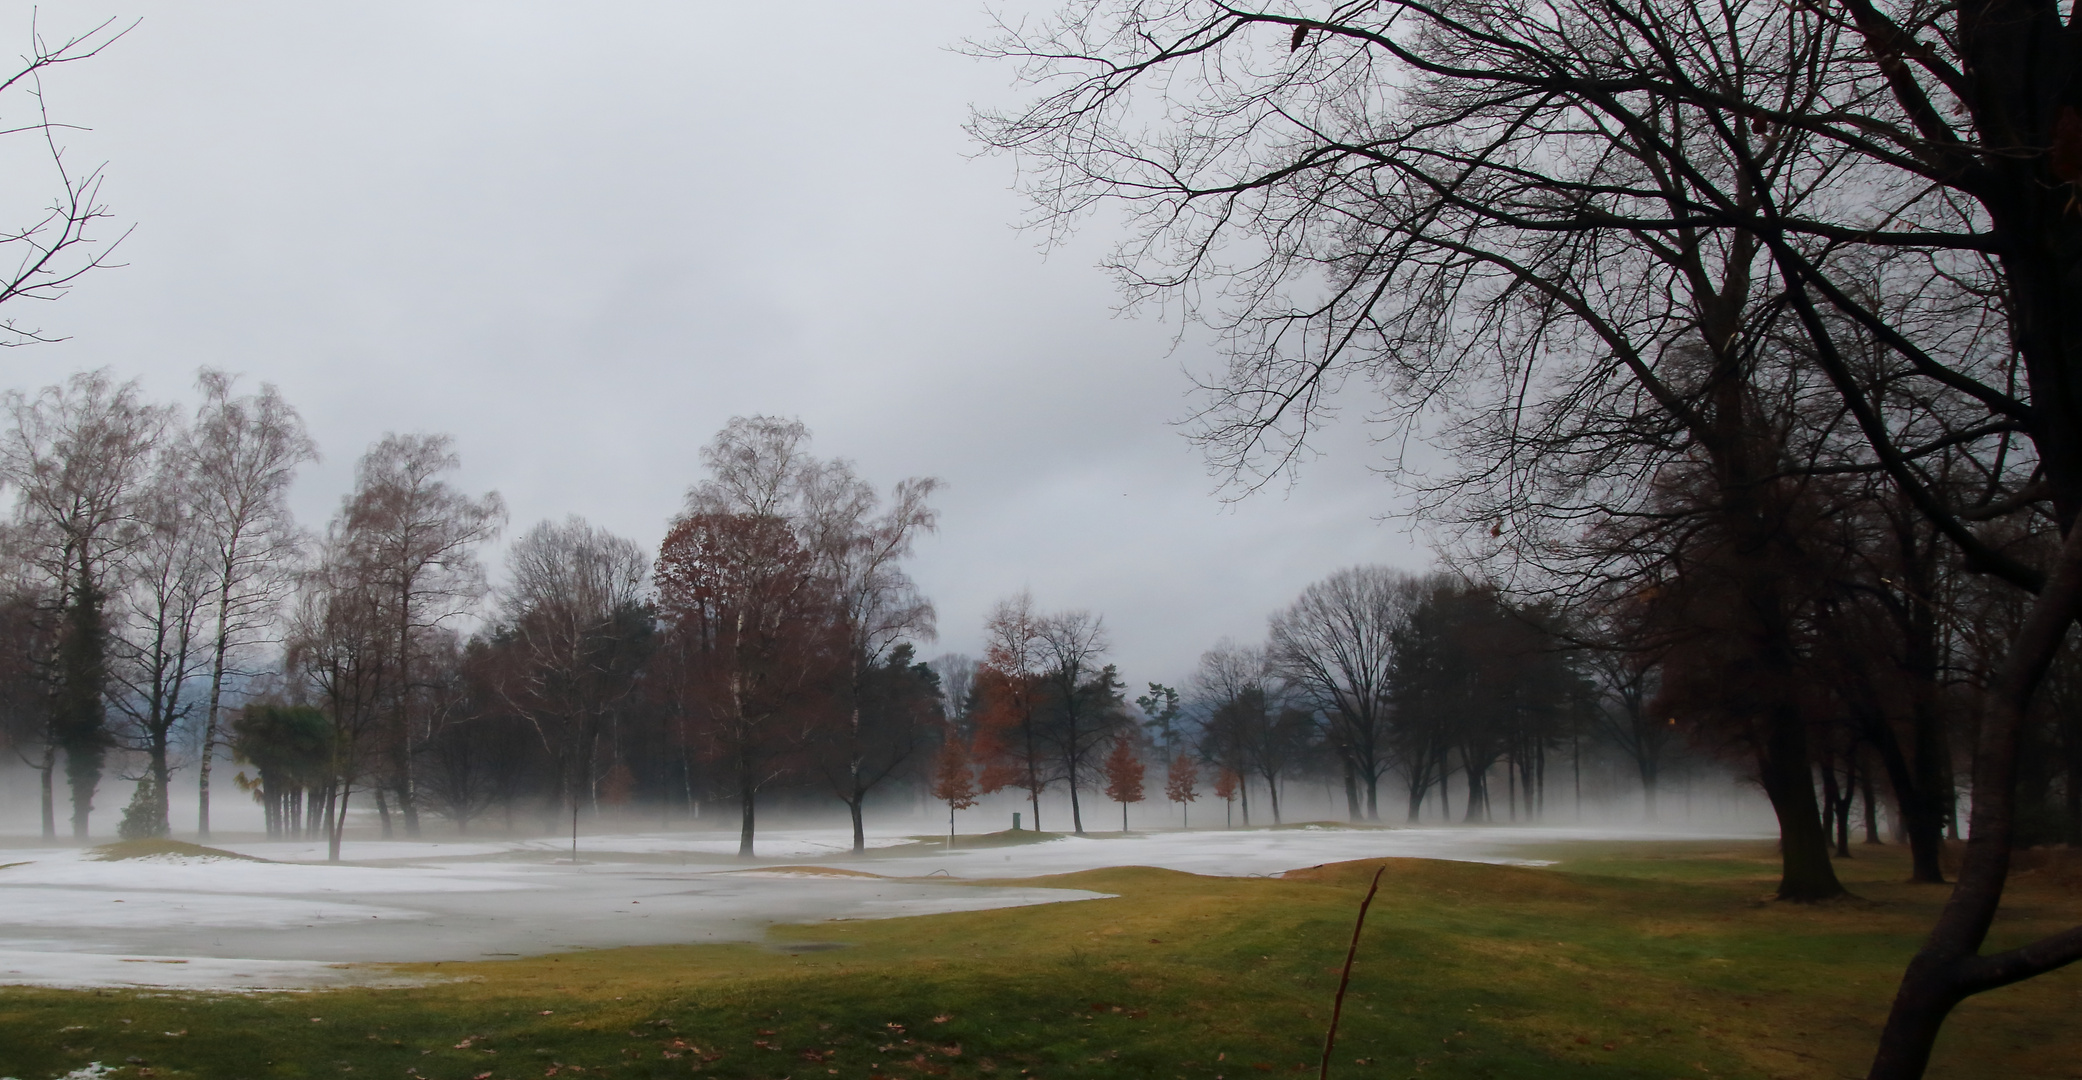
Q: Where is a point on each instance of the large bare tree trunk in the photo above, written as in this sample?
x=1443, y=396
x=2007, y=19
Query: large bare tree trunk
x=1805, y=872
x=1950, y=967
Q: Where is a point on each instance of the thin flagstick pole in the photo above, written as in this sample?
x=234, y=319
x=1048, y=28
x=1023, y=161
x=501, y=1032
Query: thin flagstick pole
x=1337, y=1009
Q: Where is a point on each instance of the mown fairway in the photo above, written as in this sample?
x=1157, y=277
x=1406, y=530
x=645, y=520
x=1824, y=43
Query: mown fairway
x=1628, y=960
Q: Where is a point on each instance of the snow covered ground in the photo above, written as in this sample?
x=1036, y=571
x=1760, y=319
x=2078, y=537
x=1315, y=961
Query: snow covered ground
x=296, y=921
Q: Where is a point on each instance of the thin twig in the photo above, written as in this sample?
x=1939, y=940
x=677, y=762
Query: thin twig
x=1337, y=1009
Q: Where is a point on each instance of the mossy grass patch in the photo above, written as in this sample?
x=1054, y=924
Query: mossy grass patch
x=1007, y=838
x=806, y=871
x=146, y=849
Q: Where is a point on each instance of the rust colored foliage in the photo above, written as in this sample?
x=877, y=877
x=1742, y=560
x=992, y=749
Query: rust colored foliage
x=1005, y=743
x=1181, y=780
x=751, y=628
x=954, y=775
x=1124, y=772
x=1225, y=784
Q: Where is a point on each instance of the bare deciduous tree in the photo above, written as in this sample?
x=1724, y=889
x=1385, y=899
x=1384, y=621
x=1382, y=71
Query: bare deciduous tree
x=1082, y=706
x=859, y=553
x=56, y=245
x=1336, y=644
x=415, y=536
x=1417, y=183
x=340, y=643
x=160, y=631
x=80, y=455
x=572, y=610
x=245, y=453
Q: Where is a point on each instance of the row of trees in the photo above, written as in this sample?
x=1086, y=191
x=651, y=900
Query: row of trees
x=1746, y=331
x=1372, y=676
x=161, y=600
x=158, y=579
x=770, y=642
x=146, y=558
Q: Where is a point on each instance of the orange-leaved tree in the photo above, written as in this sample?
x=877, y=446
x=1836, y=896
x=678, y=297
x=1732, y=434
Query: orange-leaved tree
x=954, y=778
x=742, y=606
x=1007, y=685
x=1225, y=785
x=1180, y=785
x=1124, y=776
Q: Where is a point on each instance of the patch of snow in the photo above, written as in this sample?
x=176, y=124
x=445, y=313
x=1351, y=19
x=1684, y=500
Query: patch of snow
x=1260, y=852
x=314, y=851
x=134, y=908
x=81, y=970
x=93, y=1070
x=218, y=924
x=955, y=902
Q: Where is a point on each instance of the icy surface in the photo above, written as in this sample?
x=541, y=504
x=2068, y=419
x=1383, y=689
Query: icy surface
x=297, y=922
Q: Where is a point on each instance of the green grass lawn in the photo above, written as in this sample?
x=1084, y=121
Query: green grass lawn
x=1627, y=960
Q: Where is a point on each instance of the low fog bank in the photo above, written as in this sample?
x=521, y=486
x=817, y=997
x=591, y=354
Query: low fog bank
x=1694, y=798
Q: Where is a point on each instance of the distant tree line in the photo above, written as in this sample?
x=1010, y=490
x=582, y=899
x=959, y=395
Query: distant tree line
x=161, y=603
x=1373, y=677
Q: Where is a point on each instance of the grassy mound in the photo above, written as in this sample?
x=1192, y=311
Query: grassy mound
x=1008, y=838
x=806, y=871
x=1626, y=961
x=145, y=849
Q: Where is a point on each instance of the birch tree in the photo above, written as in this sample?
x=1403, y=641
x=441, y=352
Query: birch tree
x=858, y=548
x=245, y=453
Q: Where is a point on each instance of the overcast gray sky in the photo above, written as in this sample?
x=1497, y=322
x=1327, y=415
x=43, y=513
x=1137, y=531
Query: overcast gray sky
x=579, y=237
